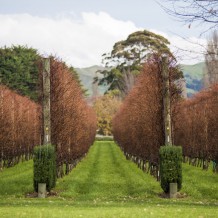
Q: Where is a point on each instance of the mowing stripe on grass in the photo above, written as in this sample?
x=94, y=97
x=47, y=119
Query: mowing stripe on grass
x=17, y=180
x=103, y=185
x=105, y=173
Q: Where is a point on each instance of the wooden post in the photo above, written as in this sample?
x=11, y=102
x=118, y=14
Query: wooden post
x=46, y=102
x=166, y=102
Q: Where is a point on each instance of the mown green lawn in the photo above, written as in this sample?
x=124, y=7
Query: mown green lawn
x=105, y=184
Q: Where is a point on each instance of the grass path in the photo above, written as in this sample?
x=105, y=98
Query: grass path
x=105, y=173
x=105, y=184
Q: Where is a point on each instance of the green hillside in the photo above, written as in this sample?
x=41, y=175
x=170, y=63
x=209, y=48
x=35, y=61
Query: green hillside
x=86, y=76
x=193, y=75
x=196, y=70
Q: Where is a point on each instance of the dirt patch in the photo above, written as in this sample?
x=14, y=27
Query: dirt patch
x=178, y=195
x=35, y=194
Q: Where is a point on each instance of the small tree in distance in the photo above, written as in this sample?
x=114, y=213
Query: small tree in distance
x=105, y=108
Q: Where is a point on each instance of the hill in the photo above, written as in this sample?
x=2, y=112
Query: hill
x=193, y=75
x=86, y=76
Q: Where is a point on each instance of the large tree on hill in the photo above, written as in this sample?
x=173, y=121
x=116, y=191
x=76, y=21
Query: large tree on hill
x=127, y=57
x=194, y=11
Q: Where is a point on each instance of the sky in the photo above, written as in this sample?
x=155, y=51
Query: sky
x=80, y=31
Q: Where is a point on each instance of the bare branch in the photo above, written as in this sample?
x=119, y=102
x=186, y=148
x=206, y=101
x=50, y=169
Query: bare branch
x=193, y=11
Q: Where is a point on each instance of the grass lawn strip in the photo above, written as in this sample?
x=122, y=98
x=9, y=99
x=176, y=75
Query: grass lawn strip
x=105, y=184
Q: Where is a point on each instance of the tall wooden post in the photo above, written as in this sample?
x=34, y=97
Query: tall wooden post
x=166, y=102
x=46, y=102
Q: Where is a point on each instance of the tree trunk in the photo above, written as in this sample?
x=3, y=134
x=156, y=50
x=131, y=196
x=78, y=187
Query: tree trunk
x=46, y=102
x=166, y=102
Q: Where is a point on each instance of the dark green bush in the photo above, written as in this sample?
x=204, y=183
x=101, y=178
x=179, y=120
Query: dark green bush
x=170, y=166
x=44, y=166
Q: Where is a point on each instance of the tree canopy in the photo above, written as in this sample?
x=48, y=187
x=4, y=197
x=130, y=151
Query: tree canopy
x=136, y=49
x=19, y=70
x=127, y=57
x=105, y=108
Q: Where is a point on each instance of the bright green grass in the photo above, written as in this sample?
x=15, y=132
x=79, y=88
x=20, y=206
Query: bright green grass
x=62, y=209
x=105, y=174
x=105, y=184
x=200, y=184
x=17, y=180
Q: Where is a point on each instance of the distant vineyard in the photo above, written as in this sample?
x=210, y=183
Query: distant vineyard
x=19, y=127
x=196, y=127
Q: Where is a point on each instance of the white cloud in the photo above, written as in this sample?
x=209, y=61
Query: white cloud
x=79, y=42
x=188, y=50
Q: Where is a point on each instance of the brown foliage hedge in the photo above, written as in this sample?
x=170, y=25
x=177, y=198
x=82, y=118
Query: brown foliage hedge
x=196, y=125
x=73, y=122
x=138, y=125
x=19, y=127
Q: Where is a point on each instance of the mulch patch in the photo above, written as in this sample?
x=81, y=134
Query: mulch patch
x=167, y=195
x=35, y=194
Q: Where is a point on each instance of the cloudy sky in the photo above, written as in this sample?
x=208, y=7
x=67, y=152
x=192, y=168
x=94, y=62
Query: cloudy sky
x=80, y=31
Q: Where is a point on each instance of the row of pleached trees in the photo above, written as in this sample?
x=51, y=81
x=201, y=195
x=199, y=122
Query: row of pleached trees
x=138, y=126
x=19, y=127
x=196, y=127
x=73, y=122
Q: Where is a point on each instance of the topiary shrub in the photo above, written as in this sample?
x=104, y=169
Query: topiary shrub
x=170, y=167
x=44, y=161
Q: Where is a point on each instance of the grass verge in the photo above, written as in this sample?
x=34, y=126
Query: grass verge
x=105, y=184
